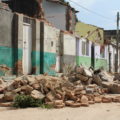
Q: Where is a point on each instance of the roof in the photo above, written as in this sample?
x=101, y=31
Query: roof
x=91, y=32
x=63, y=3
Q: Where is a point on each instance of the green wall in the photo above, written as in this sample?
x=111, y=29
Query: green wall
x=43, y=62
x=36, y=62
x=86, y=61
x=8, y=58
x=101, y=63
x=49, y=63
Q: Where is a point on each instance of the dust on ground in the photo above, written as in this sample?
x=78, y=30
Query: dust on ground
x=110, y=111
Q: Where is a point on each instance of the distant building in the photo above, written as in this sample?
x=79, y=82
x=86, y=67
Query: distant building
x=91, y=50
x=110, y=40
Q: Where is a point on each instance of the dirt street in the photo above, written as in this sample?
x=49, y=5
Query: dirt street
x=94, y=112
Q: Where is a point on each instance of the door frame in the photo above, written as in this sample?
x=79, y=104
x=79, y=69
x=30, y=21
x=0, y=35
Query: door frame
x=27, y=69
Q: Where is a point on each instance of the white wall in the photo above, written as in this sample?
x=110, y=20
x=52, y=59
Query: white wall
x=97, y=52
x=79, y=47
x=113, y=52
x=51, y=36
x=97, y=49
x=69, y=44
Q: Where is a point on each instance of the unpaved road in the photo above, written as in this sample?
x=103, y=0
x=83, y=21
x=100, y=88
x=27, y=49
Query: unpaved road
x=94, y=112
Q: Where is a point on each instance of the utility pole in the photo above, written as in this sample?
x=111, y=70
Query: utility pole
x=117, y=43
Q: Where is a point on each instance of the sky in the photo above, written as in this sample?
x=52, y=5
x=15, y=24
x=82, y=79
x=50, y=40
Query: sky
x=107, y=8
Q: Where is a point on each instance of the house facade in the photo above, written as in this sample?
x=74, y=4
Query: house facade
x=44, y=38
x=91, y=50
x=33, y=46
x=110, y=39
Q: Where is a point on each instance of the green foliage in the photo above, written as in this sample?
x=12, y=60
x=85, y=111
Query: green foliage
x=24, y=101
x=45, y=106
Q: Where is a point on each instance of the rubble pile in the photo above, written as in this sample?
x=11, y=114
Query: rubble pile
x=99, y=77
x=81, y=87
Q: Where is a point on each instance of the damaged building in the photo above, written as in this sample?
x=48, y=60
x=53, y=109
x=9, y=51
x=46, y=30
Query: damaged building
x=30, y=43
x=91, y=50
x=43, y=36
x=59, y=13
x=32, y=8
x=110, y=40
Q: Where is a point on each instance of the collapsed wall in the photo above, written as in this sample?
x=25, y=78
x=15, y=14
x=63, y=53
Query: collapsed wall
x=82, y=87
x=32, y=8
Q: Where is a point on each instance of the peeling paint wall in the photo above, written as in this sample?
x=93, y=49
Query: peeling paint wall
x=69, y=52
x=44, y=39
x=45, y=45
x=36, y=47
x=51, y=36
x=6, y=51
x=44, y=48
x=10, y=43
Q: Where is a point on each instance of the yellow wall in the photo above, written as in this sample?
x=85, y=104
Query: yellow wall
x=92, y=33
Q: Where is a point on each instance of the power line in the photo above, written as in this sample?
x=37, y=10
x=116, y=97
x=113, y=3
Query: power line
x=93, y=12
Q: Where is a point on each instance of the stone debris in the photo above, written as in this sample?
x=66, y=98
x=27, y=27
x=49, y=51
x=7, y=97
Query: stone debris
x=82, y=87
x=84, y=101
x=37, y=94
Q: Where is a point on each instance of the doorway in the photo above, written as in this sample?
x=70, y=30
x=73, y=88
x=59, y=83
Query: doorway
x=27, y=49
x=93, y=55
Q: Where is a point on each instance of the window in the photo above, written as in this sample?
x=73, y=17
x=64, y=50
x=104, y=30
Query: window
x=51, y=43
x=85, y=48
x=102, y=52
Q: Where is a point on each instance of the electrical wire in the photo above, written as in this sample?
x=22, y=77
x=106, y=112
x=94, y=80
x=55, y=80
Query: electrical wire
x=93, y=12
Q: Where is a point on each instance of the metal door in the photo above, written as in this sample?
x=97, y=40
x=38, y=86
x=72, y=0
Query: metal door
x=27, y=48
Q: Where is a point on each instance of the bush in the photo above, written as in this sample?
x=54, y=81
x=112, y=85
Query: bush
x=24, y=101
x=45, y=106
